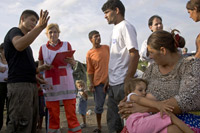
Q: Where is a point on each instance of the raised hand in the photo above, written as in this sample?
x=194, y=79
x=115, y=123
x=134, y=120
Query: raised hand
x=44, y=18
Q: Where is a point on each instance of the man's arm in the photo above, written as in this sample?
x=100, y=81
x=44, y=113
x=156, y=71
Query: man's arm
x=133, y=63
x=91, y=77
x=106, y=86
x=22, y=42
x=90, y=71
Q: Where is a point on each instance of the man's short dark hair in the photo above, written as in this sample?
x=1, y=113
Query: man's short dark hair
x=2, y=45
x=92, y=33
x=27, y=13
x=150, y=22
x=113, y=4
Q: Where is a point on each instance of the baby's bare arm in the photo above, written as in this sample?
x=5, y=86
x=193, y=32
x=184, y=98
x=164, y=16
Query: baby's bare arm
x=161, y=106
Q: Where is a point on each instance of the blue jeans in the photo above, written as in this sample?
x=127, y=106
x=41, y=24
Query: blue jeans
x=99, y=98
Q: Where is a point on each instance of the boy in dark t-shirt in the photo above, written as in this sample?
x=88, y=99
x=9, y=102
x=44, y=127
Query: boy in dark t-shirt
x=26, y=72
x=22, y=89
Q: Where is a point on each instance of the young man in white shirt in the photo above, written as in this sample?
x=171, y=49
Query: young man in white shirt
x=123, y=60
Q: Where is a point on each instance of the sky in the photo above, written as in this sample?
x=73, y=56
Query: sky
x=77, y=18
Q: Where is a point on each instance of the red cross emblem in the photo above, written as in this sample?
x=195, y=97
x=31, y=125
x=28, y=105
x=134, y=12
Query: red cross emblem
x=55, y=73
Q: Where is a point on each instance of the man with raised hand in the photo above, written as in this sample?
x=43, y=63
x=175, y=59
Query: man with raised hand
x=22, y=89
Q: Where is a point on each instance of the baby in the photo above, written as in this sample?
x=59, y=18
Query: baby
x=82, y=100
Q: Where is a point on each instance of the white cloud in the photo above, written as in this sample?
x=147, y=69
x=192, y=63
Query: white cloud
x=56, y=4
x=78, y=17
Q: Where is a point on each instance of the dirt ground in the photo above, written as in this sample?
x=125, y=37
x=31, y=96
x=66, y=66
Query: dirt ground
x=90, y=119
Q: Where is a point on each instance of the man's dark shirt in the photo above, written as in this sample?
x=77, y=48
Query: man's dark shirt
x=20, y=63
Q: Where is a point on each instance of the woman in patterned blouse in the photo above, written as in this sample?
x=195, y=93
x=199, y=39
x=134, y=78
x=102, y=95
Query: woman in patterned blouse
x=171, y=78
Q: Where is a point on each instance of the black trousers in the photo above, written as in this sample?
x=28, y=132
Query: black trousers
x=3, y=96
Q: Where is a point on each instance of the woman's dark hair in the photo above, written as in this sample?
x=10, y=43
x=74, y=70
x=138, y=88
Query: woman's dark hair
x=192, y=4
x=113, y=4
x=170, y=41
x=150, y=22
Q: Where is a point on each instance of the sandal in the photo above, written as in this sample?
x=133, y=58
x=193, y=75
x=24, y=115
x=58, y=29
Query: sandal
x=97, y=131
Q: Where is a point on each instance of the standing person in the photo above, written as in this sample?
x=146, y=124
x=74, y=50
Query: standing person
x=22, y=89
x=193, y=8
x=60, y=78
x=155, y=24
x=3, y=84
x=97, y=60
x=82, y=98
x=123, y=59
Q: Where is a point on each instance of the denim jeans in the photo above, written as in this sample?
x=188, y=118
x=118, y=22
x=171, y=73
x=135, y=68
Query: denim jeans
x=99, y=99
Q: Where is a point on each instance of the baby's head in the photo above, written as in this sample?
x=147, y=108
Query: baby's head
x=135, y=85
x=80, y=85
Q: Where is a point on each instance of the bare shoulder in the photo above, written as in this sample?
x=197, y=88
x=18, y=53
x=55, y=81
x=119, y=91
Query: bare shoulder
x=105, y=45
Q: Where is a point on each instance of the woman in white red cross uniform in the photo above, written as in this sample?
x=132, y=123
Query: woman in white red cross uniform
x=60, y=82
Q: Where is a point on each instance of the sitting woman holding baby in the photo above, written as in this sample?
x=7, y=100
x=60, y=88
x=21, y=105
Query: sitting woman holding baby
x=172, y=79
